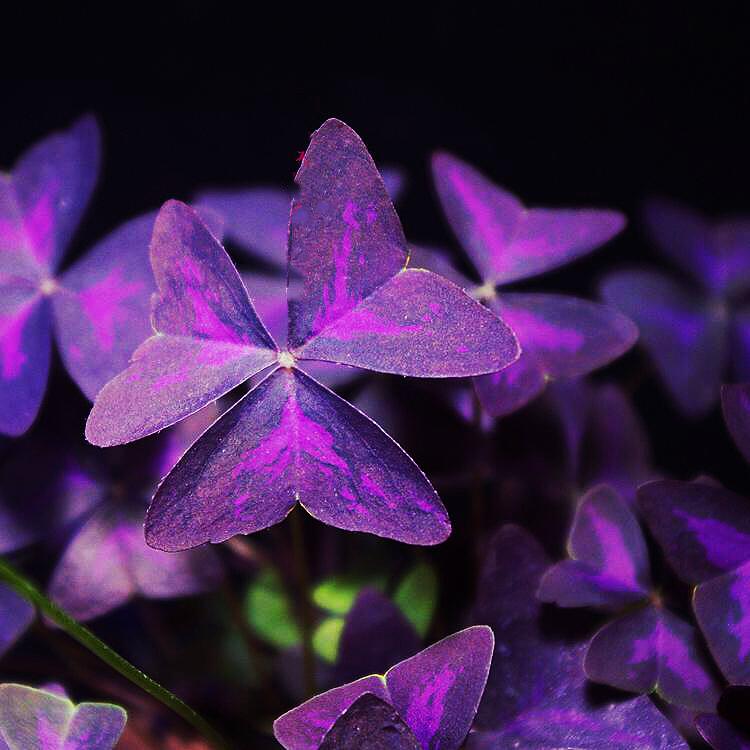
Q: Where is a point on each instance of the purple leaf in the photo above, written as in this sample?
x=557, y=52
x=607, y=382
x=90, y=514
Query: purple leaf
x=569, y=337
x=722, y=608
x=735, y=403
x=52, y=184
x=208, y=337
x=703, y=529
x=609, y=561
x=436, y=693
x=740, y=344
x=507, y=241
x=685, y=335
x=375, y=635
x=605, y=438
x=652, y=650
x=108, y=561
x=370, y=724
x=304, y=727
x=25, y=345
x=720, y=734
x=256, y=218
x=549, y=705
x=417, y=324
x=717, y=255
x=33, y=719
x=102, y=305
x=292, y=440
x=34, y=504
x=16, y=614
x=560, y=337
x=345, y=239
x=615, y=443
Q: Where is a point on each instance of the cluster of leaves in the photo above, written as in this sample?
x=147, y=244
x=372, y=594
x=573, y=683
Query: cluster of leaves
x=159, y=329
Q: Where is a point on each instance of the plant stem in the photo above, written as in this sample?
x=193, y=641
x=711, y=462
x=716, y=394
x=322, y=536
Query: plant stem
x=303, y=592
x=26, y=589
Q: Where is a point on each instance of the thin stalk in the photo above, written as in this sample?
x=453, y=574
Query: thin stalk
x=303, y=592
x=26, y=589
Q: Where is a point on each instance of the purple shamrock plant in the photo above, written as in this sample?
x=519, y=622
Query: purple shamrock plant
x=32, y=719
x=646, y=648
x=560, y=336
x=291, y=440
x=435, y=694
x=107, y=561
x=97, y=308
x=704, y=531
x=537, y=695
x=696, y=334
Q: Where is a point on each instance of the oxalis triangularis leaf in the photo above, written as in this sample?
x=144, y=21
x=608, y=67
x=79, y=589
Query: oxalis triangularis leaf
x=291, y=440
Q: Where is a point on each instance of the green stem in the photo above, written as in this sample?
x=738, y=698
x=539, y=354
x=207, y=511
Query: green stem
x=25, y=588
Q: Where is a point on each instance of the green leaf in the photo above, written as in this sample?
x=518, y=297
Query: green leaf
x=416, y=596
x=326, y=638
x=269, y=610
x=337, y=593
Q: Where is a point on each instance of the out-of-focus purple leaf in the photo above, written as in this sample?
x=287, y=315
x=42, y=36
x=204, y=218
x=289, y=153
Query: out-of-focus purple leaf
x=507, y=241
x=685, y=334
x=608, y=565
x=16, y=614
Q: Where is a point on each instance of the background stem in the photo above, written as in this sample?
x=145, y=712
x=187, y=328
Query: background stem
x=26, y=589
